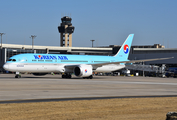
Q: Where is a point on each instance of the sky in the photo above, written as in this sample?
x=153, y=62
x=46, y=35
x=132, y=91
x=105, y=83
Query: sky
x=108, y=22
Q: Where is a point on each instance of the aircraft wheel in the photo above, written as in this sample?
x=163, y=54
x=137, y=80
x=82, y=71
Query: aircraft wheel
x=69, y=76
x=91, y=77
x=66, y=76
x=63, y=76
x=18, y=76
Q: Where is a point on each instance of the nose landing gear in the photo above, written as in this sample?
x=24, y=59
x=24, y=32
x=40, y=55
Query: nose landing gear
x=18, y=75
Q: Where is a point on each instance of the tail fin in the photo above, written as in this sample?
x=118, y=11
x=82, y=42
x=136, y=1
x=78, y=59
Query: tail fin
x=124, y=51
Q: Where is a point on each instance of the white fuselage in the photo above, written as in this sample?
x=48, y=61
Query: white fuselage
x=44, y=67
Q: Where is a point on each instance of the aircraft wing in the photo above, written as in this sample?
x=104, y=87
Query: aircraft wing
x=131, y=61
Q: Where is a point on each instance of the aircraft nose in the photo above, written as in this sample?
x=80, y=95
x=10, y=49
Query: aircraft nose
x=6, y=67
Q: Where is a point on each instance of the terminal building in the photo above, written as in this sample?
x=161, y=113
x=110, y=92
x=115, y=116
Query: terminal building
x=66, y=29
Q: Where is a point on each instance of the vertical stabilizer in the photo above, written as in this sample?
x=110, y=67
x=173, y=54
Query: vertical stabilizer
x=124, y=51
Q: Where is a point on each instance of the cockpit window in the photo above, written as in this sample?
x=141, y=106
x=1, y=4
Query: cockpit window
x=10, y=60
x=13, y=60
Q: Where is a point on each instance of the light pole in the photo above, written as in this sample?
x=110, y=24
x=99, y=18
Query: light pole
x=92, y=42
x=1, y=43
x=33, y=36
x=1, y=38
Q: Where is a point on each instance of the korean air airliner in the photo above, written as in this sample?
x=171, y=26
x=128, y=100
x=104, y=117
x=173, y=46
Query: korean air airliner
x=80, y=65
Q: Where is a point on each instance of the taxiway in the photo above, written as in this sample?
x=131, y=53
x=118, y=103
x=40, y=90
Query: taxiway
x=54, y=87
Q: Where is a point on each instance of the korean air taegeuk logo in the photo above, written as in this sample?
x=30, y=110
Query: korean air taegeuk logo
x=126, y=48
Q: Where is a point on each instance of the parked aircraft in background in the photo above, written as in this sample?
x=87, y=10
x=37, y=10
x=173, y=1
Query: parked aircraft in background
x=80, y=65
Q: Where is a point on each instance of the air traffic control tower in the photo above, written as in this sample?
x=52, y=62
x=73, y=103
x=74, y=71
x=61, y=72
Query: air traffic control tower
x=66, y=29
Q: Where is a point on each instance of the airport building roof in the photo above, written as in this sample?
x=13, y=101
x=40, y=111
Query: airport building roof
x=57, y=48
x=154, y=50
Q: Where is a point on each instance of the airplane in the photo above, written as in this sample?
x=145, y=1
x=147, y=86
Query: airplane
x=80, y=65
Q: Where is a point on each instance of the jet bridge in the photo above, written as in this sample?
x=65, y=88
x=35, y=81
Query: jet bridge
x=150, y=68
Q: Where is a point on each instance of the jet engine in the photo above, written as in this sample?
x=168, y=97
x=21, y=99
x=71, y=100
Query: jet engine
x=83, y=70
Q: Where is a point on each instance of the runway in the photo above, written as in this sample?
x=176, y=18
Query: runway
x=52, y=87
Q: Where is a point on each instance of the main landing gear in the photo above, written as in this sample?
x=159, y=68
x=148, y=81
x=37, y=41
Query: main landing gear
x=90, y=77
x=66, y=76
x=18, y=75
